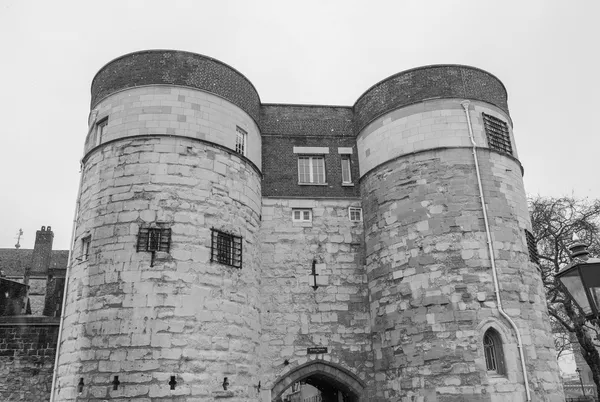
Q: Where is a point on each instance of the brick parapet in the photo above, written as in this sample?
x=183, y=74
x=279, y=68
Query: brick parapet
x=174, y=67
x=429, y=82
x=306, y=120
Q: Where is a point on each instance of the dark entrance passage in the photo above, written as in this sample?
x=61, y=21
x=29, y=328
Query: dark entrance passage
x=334, y=384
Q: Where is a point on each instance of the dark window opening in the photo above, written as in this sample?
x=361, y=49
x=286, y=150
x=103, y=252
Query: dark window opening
x=116, y=383
x=154, y=239
x=494, y=355
x=226, y=248
x=532, y=247
x=85, y=247
x=498, y=136
x=173, y=382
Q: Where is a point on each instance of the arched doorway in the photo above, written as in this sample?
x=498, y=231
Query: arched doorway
x=335, y=383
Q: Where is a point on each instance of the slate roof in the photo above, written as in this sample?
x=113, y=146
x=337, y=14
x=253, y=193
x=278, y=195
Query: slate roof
x=13, y=261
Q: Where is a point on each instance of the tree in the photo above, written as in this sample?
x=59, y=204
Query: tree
x=554, y=222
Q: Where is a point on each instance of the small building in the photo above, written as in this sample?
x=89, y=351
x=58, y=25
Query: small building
x=31, y=292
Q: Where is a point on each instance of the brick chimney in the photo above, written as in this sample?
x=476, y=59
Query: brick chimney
x=40, y=261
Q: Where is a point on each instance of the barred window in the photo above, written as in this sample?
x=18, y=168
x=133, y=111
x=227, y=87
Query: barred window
x=494, y=355
x=311, y=169
x=226, y=248
x=240, y=141
x=532, y=247
x=154, y=239
x=498, y=136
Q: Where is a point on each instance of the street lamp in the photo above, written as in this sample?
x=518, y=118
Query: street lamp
x=581, y=279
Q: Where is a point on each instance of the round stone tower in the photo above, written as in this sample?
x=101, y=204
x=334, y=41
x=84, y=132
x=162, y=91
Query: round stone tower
x=163, y=292
x=428, y=139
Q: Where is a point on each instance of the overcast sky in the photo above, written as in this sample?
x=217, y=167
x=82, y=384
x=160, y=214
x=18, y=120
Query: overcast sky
x=320, y=52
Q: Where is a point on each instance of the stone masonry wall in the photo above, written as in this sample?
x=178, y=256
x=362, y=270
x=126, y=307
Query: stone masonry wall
x=27, y=351
x=175, y=111
x=295, y=316
x=422, y=126
x=184, y=316
x=430, y=281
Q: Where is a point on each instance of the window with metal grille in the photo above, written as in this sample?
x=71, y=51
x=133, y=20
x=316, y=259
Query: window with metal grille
x=240, y=141
x=311, y=169
x=226, y=248
x=154, y=239
x=497, y=133
x=355, y=214
x=532, y=247
x=492, y=350
x=346, y=174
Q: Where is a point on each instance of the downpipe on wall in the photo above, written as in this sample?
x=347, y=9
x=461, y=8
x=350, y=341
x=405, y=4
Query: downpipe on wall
x=465, y=105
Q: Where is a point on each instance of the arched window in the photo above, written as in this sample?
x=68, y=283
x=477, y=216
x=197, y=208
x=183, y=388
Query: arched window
x=492, y=349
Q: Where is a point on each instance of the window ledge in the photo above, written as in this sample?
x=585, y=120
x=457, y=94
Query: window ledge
x=347, y=184
x=303, y=224
x=313, y=184
x=495, y=377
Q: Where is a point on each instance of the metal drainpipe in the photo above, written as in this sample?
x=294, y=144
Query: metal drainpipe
x=66, y=287
x=465, y=105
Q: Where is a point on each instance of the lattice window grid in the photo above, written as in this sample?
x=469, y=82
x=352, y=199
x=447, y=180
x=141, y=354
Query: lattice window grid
x=497, y=133
x=226, y=248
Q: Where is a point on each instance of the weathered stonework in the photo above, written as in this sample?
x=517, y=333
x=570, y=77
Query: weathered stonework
x=390, y=306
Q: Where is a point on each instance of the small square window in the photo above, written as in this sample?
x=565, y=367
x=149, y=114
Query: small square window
x=355, y=214
x=240, y=141
x=346, y=173
x=85, y=248
x=301, y=215
x=101, y=130
x=311, y=170
x=154, y=239
x=226, y=248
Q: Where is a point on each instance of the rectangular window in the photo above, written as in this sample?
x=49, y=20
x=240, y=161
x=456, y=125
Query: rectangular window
x=226, y=248
x=240, y=141
x=498, y=136
x=101, y=130
x=346, y=175
x=311, y=169
x=154, y=239
x=532, y=247
x=302, y=215
x=85, y=248
x=355, y=214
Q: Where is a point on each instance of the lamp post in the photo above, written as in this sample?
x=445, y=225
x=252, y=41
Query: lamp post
x=581, y=279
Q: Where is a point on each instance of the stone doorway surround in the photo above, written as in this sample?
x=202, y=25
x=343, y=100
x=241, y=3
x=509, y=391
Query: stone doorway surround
x=338, y=375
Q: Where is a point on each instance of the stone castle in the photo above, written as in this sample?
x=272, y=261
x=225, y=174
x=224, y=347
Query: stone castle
x=227, y=248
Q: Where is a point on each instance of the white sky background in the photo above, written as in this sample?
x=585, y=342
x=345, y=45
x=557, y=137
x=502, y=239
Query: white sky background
x=319, y=52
